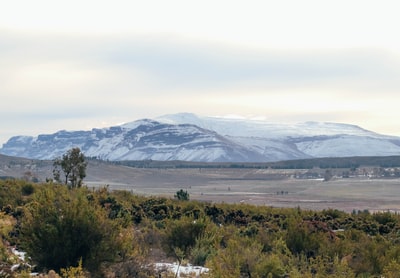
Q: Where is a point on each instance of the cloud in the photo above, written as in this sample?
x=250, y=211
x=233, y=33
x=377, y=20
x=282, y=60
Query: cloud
x=59, y=78
x=163, y=64
x=178, y=65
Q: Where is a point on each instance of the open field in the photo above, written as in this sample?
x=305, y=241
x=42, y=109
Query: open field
x=256, y=186
x=269, y=187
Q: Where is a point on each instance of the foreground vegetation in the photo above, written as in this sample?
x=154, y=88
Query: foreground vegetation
x=82, y=232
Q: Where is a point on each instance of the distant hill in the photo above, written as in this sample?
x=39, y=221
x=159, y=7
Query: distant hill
x=187, y=137
x=29, y=169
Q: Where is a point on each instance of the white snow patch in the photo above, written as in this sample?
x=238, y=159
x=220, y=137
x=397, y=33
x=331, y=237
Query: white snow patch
x=350, y=145
x=261, y=128
x=189, y=269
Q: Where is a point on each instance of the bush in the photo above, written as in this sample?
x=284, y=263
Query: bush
x=10, y=193
x=182, y=195
x=183, y=233
x=27, y=189
x=60, y=227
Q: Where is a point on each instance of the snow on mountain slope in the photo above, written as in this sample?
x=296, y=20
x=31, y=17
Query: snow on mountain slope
x=292, y=141
x=271, y=149
x=256, y=128
x=140, y=140
x=193, y=138
x=347, y=145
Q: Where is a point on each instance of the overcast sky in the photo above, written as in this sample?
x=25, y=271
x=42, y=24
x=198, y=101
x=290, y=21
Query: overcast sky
x=82, y=64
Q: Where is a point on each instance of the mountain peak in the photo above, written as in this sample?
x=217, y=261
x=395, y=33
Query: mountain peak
x=186, y=136
x=179, y=118
x=135, y=124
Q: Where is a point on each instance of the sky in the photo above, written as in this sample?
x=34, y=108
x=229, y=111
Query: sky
x=78, y=65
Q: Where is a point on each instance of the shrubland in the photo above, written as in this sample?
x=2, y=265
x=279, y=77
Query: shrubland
x=83, y=232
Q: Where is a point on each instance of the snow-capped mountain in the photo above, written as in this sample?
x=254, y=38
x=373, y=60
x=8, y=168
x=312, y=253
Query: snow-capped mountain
x=139, y=140
x=294, y=141
x=238, y=127
x=194, y=138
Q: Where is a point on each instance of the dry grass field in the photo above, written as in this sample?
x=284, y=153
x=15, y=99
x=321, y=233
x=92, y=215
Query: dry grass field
x=276, y=188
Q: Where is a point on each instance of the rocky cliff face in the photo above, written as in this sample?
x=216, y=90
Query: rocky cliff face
x=192, y=138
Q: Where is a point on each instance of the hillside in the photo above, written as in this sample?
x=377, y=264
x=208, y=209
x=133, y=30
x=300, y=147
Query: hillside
x=187, y=137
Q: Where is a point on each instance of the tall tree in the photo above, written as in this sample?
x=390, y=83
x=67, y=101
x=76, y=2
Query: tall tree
x=73, y=165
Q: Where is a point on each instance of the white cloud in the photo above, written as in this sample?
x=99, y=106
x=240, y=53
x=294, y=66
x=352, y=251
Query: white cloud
x=73, y=64
x=273, y=24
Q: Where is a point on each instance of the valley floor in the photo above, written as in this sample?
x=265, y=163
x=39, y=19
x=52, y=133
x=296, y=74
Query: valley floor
x=276, y=188
x=272, y=187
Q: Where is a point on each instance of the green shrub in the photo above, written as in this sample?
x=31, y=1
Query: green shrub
x=183, y=233
x=60, y=226
x=27, y=189
x=182, y=195
x=10, y=193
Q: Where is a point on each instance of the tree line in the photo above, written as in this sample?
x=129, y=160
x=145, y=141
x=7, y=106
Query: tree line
x=309, y=163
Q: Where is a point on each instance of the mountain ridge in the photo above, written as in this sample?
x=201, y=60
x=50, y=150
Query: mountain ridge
x=189, y=137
